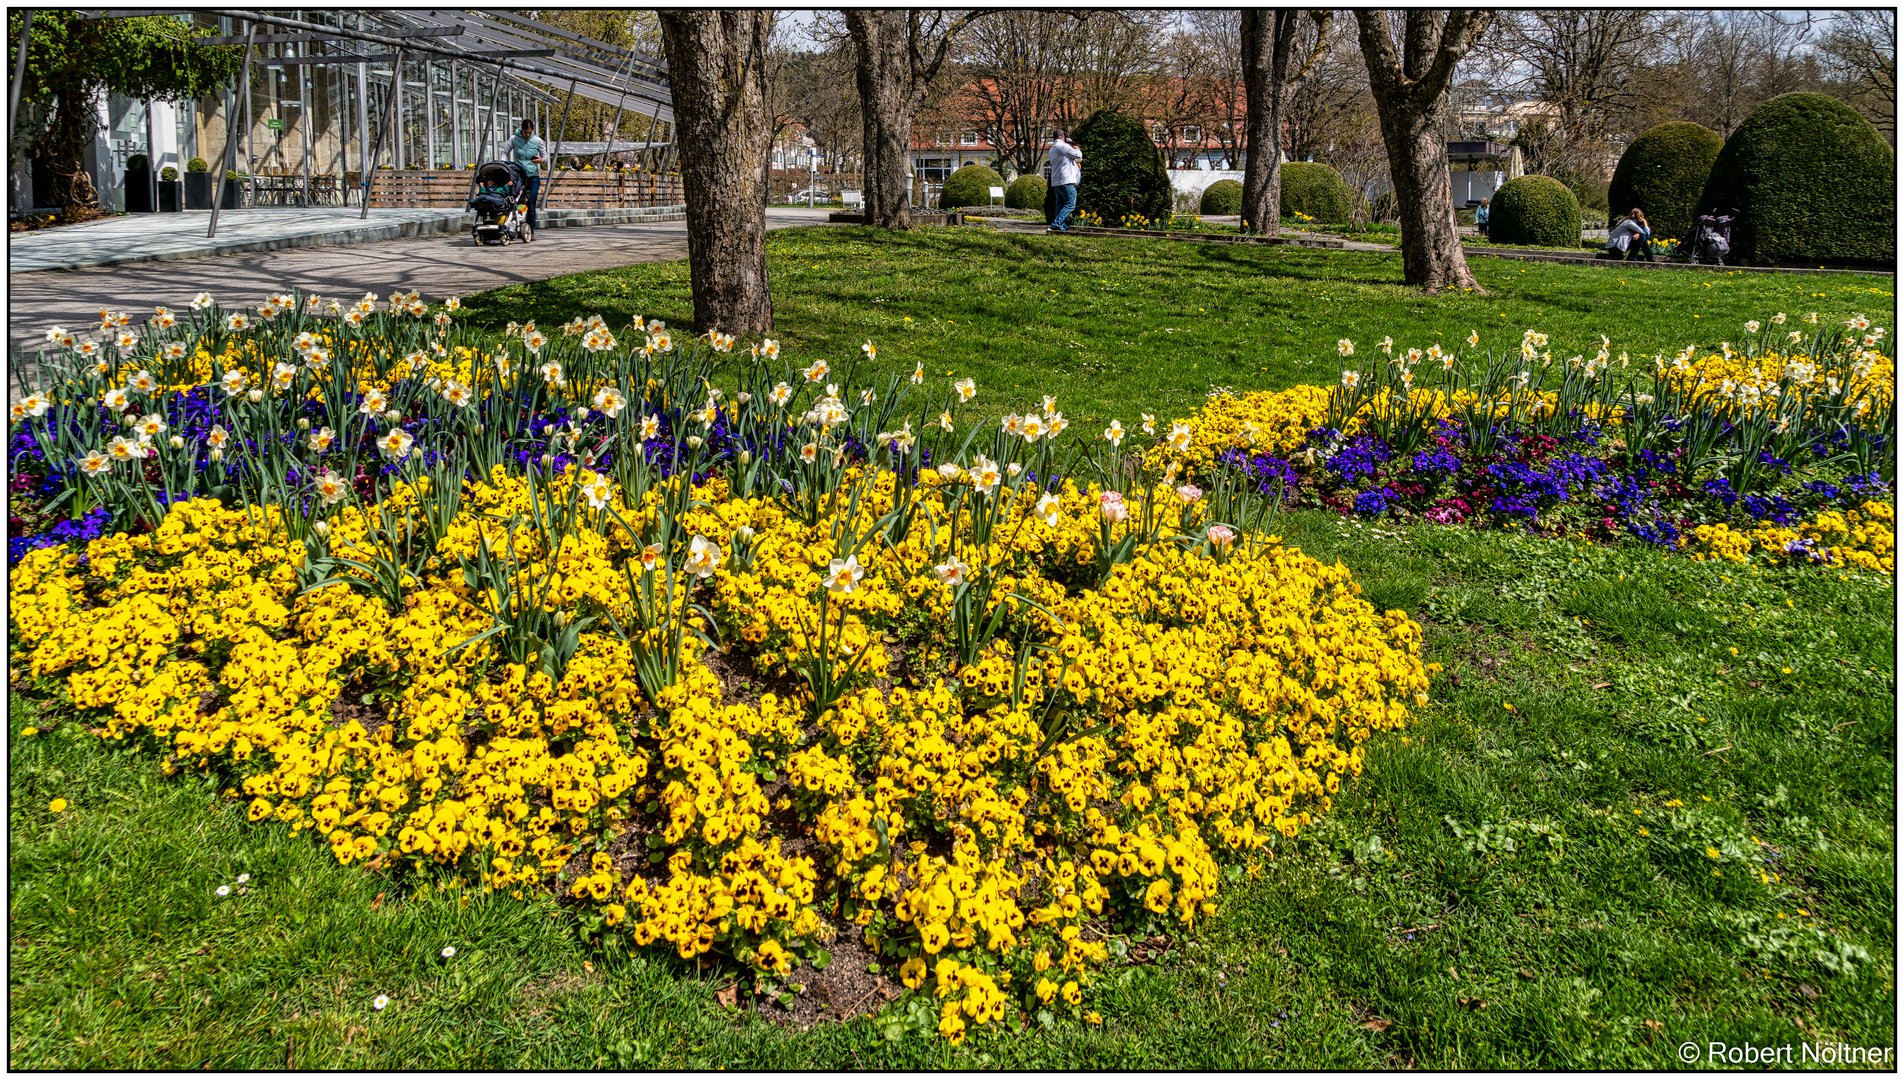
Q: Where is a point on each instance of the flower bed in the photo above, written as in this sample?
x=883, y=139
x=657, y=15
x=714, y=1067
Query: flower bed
x=738, y=669
x=1781, y=452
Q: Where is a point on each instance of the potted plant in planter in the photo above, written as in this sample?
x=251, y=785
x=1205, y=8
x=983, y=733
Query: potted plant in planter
x=198, y=185
x=169, y=200
x=234, y=190
x=139, y=184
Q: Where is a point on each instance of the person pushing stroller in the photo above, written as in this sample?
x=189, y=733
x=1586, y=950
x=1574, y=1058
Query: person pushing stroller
x=529, y=153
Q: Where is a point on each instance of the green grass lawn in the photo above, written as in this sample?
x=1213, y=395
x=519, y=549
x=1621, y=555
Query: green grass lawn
x=1483, y=897
x=1502, y=888
x=1115, y=326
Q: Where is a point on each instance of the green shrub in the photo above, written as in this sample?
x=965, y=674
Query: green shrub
x=1595, y=219
x=1026, y=193
x=1315, y=189
x=1222, y=197
x=168, y=173
x=1812, y=181
x=197, y=165
x=138, y=163
x=970, y=186
x=1536, y=210
x=1662, y=173
x=1123, y=170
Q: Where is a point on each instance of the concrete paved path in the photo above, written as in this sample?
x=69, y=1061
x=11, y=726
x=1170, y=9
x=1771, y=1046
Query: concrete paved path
x=436, y=266
x=147, y=237
x=136, y=238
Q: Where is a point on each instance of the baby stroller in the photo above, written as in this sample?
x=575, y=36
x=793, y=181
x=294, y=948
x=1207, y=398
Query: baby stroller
x=1711, y=239
x=501, y=214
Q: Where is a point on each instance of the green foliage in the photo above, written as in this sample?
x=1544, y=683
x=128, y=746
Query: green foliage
x=970, y=186
x=138, y=163
x=1537, y=210
x=1315, y=189
x=1812, y=181
x=1222, y=197
x=70, y=61
x=198, y=165
x=1026, y=193
x=1123, y=170
x=1662, y=173
x=168, y=173
x=152, y=57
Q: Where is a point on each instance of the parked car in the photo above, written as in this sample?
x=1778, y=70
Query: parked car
x=817, y=195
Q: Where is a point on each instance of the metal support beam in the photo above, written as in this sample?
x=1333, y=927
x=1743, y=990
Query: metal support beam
x=396, y=85
x=489, y=129
x=231, y=136
x=310, y=138
x=415, y=47
x=312, y=39
x=543, y=196
x=396, y=113
x=384, y=58
x=363, y=132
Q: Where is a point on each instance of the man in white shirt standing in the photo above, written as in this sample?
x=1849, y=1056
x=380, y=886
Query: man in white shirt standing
x=1065, y=173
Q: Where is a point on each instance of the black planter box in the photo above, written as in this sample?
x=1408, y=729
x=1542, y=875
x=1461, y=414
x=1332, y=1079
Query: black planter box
x=169, y=197
x=198, y=191
x=234, y=195
x=139, y=191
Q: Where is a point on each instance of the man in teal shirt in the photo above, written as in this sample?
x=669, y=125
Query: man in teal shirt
x=529, y=152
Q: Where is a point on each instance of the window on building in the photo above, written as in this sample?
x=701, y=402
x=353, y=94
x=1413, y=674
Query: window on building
x=934, y=170
x=1192, y=133
x=968, y=138
x=1158, y=133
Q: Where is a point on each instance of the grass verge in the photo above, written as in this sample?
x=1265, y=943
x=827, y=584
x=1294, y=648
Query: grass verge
x=1113, y=326
x=1609, y=835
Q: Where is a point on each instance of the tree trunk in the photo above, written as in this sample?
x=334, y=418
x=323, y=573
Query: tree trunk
x=717, y=64
x=68, y=131
x=887, y=102
x=1410, y=90
x=1418, y=164
x=1262, y=119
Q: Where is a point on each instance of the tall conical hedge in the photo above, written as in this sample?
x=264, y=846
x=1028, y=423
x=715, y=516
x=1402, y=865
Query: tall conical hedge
x=1663, y=172
x=1812, y=182
x=1123, y=170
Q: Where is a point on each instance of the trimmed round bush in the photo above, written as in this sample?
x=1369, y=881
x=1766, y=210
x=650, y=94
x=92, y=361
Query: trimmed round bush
x=1026, y=193
x=1123, y=170
x=970, y=186
x=1317, y=190
x=1663, y=172
x=1536, y=210
x=1222, y=197
x=1811, y=181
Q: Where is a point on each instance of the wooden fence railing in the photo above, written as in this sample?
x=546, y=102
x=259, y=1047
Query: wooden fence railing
x=566, y=190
